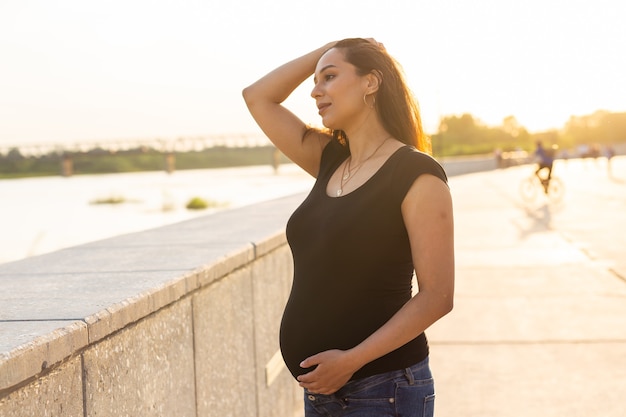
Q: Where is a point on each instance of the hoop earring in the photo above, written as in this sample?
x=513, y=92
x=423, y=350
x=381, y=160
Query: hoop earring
x=373, y=101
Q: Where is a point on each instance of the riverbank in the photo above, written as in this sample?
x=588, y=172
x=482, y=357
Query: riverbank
x=14, y=164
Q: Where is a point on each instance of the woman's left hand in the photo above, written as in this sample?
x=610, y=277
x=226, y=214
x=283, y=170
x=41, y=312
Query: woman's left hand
x=333, y=370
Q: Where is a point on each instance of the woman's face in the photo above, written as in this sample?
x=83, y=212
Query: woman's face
x=339, y=91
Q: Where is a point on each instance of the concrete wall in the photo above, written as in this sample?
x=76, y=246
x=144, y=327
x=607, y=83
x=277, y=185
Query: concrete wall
x=177, y=321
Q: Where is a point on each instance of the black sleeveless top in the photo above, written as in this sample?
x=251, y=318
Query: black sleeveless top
x=352, y=263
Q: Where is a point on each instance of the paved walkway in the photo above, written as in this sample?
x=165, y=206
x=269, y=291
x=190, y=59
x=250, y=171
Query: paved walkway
x=539, y=325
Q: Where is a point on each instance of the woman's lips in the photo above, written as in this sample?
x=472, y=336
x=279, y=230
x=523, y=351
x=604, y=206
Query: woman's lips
x=322, y=107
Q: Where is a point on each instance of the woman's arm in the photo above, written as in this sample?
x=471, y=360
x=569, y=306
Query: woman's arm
x=282, y=127
x=427, y=213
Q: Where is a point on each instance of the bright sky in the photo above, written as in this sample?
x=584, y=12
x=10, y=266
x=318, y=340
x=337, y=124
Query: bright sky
x=80, y=70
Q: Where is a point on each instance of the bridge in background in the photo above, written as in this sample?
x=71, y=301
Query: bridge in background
x=165, y=145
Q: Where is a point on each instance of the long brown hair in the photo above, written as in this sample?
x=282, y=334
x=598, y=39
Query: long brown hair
x=395, y=103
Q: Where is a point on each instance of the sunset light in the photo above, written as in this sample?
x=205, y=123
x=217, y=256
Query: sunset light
x=74, y=70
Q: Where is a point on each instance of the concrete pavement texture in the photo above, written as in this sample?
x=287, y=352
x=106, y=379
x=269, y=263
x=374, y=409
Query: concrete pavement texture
x=539, y=323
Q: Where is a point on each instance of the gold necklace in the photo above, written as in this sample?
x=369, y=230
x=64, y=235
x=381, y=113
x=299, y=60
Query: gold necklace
x=345, y=177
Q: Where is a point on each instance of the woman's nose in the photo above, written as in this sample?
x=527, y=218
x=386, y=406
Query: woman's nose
x=315, y=92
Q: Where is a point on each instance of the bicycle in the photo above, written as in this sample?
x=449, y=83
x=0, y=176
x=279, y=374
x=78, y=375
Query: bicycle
x=532, y=186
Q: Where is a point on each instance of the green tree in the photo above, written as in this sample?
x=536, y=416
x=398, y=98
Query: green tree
x=465, y=135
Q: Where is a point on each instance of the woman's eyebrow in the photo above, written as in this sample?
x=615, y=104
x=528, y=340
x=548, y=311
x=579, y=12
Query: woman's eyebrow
x=322, y=70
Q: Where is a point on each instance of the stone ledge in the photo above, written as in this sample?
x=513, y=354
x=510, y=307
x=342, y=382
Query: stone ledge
x=56, y=304
x=59, y=341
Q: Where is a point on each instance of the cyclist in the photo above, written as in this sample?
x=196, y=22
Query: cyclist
x=545, y=160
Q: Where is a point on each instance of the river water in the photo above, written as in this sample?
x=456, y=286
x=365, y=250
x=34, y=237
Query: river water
x=41, y=215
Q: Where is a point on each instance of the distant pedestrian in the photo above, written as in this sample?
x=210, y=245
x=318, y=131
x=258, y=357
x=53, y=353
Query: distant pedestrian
x=352, y=333
x=609, y=153
x=497, y=153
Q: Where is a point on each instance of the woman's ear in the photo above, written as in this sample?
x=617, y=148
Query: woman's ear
x=374, y=80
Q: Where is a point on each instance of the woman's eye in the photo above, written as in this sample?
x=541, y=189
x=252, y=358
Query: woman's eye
x=329, y=77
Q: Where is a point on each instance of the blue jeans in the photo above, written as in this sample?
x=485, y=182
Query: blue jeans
x=408, y=392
